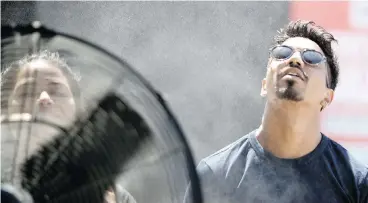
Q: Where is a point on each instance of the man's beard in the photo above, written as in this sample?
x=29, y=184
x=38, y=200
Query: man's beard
x=289, y=92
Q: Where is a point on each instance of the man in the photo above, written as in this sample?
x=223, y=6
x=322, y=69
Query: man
x=43, y=86
x=288, y=159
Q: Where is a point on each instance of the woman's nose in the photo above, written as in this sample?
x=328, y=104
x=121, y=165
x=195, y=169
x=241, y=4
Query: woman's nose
x=44, y=99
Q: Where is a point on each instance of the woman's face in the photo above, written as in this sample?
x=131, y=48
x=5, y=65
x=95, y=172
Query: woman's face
x=43, y=91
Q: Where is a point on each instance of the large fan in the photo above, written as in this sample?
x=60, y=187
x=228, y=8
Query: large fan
x=123, y=142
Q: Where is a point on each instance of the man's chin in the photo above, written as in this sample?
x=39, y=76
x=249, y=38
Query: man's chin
x=289, y=94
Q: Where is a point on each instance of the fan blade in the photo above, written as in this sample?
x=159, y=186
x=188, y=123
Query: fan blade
x=82, y=164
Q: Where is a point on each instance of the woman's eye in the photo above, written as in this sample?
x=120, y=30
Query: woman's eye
x=24, y=94
x=56, y=92
x=59, y=94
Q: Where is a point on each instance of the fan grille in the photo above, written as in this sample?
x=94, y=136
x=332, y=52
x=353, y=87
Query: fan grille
x=158, y=172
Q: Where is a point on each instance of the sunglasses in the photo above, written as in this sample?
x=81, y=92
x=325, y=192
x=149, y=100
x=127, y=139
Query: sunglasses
x=309, y=56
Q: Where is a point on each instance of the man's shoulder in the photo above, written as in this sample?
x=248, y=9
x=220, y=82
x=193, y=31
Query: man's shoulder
x=340, y=151
x=228, y=154
x=345, y=157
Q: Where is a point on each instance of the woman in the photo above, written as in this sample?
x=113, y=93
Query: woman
x=42, y=86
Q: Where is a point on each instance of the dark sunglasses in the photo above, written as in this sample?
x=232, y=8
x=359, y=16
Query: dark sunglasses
x=309, y=56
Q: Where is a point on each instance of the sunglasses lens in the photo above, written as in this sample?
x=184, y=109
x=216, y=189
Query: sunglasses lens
x=312, y=57
x=281, y=52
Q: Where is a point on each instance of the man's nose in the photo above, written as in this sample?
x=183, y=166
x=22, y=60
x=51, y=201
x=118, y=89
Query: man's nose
x=296, y=60
x=45, y=99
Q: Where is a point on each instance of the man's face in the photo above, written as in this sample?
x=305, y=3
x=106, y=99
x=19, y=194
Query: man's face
x=295, y=80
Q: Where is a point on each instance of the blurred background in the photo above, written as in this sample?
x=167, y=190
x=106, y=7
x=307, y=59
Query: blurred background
x=208, y=58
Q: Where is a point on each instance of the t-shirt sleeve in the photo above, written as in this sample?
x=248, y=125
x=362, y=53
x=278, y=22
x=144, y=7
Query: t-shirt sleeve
x=209, y=183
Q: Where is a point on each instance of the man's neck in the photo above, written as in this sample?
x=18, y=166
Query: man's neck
x=289, y=130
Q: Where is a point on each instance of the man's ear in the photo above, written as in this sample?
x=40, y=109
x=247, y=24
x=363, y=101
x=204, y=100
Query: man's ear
x=263, y=88
x=329, y=96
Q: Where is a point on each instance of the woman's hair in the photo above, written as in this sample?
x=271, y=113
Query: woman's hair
x=9, y=75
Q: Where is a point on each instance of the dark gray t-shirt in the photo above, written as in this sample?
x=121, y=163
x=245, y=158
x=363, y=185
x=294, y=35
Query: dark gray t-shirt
x=244, y=172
